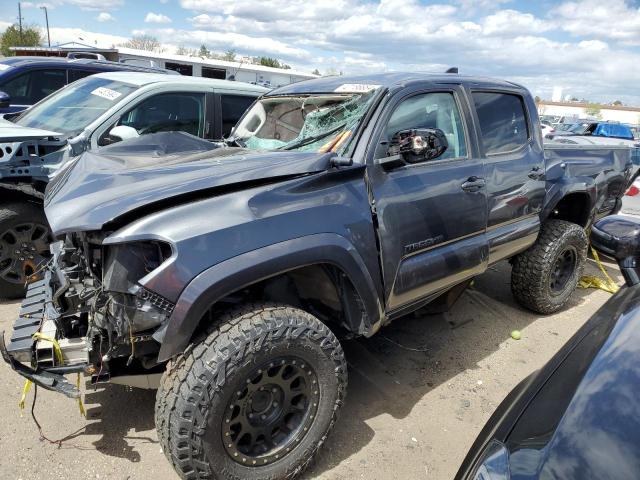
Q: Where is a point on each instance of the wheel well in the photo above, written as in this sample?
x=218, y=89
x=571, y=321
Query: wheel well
x=322, y=290
x=574, y=208
x=16, y=192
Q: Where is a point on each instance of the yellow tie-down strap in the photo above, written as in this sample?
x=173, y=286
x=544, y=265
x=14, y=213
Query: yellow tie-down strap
x=590, y=281
x=60, y=359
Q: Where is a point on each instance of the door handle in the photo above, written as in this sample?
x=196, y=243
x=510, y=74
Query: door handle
x=536, y=173
x=473, y=184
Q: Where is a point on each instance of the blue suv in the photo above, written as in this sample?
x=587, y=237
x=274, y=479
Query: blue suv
x=25, y=81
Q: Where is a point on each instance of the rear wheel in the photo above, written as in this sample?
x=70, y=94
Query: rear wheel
x=24, y=246
x=544, y=276
x=255, y=398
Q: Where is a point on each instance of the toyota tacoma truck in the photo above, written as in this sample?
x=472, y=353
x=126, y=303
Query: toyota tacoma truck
x=226, y=278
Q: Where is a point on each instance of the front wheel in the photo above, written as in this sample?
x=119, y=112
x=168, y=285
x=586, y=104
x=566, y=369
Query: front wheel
x=24, y=246
x=255, y=398
x=544, y=276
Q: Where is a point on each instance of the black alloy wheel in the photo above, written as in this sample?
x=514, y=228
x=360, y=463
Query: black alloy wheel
x=272, y=413
x=563, y=270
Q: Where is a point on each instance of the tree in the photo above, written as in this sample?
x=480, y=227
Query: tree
x=617, y=103
x=593, y=109
x=229, y=56
x=537, y=99
x=31, y=37
x=316, y=72
x=270, y=62
x=204, y=52
x=182, y=50
x=144, y=42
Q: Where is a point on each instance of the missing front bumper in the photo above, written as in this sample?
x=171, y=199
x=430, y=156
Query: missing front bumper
x=20, y=354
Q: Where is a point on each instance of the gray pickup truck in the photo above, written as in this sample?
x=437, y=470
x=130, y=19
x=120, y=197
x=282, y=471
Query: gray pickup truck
x=340, y=204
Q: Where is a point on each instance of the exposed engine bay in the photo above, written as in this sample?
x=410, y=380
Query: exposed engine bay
x=91, y=308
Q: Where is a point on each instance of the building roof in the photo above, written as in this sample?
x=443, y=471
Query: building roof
x=69, y=46
x=139, y=79
x=212, y=62
x=621, y=108
x=389, y=80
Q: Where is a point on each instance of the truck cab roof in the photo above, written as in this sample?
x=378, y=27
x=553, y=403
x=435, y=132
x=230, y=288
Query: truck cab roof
x=391, y=80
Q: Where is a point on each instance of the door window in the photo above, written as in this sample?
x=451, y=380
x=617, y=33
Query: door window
x=168, y=112
x=503, y=122
x=31, y=87
x=233, y=107
x=428, y=110
x=78, y=74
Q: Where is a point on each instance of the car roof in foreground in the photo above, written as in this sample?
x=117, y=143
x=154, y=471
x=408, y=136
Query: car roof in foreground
x=141, y=78
x=389, y=80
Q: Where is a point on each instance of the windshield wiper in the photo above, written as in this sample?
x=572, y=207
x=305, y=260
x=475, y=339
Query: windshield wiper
x=314, y=138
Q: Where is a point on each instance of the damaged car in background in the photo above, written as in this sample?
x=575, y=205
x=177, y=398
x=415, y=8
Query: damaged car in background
x=338, y=205
x=92, y=114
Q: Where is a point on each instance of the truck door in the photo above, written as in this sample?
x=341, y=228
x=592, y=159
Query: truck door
x=514, y=170
x=431, y=216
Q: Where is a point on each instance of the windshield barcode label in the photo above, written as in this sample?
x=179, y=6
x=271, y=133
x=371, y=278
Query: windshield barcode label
x=106, y=93
x=356, y=88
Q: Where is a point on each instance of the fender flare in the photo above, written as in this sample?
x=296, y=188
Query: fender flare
x=560, y=190
x=243, y=270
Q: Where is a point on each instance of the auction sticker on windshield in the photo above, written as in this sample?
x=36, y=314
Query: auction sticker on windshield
x=106, y=93
x=356, y=88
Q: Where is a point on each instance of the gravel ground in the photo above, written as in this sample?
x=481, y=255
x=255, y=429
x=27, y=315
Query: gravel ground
x=419, y=392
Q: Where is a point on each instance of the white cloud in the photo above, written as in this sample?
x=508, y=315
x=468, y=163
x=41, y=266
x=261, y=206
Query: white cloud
x=99, y=5
x=614, y=19
x=156, y=18
x=102, y=40
x=105, y=17
x=513, y=22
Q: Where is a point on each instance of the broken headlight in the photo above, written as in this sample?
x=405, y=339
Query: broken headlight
x=130, y=306
x=125, y=264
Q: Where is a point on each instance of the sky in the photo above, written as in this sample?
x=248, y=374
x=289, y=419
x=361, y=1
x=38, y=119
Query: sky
x=590, y=48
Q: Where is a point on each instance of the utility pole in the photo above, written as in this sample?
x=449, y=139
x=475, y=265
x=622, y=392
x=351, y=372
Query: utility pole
x=20, y=21
x=46, y=17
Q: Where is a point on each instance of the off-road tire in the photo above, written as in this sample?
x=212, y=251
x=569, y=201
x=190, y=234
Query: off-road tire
x=196, y=385
x=532, y=269
x=13, y=214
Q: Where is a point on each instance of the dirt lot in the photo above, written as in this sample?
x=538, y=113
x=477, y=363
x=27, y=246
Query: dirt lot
x=419, y=392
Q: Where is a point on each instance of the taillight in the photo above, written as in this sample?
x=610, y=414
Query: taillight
x=553, y=130
x=633, y=191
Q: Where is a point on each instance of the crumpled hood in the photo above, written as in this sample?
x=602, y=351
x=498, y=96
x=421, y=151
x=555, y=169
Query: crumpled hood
x=95, y=188
x=11, y=132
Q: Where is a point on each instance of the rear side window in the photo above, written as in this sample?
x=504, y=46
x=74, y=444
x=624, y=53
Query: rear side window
x=233, y=107
x=503, y=122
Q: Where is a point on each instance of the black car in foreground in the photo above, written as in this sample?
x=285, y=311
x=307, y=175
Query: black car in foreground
x=577, y=418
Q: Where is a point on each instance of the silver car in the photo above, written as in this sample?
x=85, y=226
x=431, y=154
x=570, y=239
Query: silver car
x=91, y=114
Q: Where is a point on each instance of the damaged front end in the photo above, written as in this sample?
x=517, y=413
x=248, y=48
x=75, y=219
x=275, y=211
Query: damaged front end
x=91, y=308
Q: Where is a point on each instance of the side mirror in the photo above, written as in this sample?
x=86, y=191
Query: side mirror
x=5, y=100
x=418, y=145
x=619, y=237
x=123, y=132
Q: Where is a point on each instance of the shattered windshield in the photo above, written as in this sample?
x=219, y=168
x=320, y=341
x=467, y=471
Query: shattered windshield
x=311, y=123
x=71, y=109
